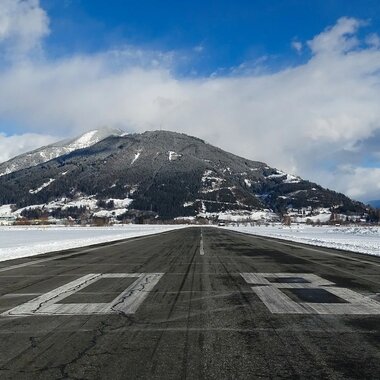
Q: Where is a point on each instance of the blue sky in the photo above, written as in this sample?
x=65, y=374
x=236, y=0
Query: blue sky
x=229, y=32
x=291, y=83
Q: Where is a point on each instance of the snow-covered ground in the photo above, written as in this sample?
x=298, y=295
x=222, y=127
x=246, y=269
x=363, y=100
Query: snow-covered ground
x=16, y=242
x=355, y=239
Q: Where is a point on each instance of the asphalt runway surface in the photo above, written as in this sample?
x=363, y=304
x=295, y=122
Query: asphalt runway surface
x=196, y=303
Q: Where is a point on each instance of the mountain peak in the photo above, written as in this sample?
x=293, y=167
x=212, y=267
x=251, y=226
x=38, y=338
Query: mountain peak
x=162, y=174
x=161, y=133
x=57, y=149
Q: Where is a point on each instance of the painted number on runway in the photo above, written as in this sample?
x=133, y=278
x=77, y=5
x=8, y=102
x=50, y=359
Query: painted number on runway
x=304, y=293
x=125, y=303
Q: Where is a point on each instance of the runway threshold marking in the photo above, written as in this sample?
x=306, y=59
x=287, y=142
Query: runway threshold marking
x=309, y=287
x=313, y=294
x=125, y=303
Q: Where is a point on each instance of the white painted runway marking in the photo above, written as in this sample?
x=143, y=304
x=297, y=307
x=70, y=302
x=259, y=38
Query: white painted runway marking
x=24, y=264
x=278, y=302
x=201, y=247
x=125, y=303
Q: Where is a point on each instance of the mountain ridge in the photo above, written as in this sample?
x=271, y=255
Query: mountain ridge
x=164, y=175
x=54, y=150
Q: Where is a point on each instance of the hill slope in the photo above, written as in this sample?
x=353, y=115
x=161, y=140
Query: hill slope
x=164, y=174
x=55, y=150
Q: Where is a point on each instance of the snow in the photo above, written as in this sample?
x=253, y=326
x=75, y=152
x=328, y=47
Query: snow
x=16, y=242
x=137, y=155
x=18, y=212
x=89, y=202
x=292, y=179
x=8, y=170
x=317, y=215
x=321, y=218
x=133, y=189
x=239, y=215
x=289, y=178
x=186, y=218
x=84, y=141
x=110, y=213
x=355, y=239
x=60, y=148
x=206, y=174
x=277, y=175
x=5, y=211
x=120, y=208
x=46, y=184
x=248, y=182
x=174, y=156
x=43, y=155
x=210, y=182
x=120, y=203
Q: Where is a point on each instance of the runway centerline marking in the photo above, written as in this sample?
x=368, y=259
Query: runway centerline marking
x=201, y=246
x=310, y=287
x=125, y=303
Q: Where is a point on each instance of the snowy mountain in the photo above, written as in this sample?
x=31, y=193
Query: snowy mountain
x=55, y=150
x=162, y=175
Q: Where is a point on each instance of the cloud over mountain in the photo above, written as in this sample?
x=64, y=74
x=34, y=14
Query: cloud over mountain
x=303, y=119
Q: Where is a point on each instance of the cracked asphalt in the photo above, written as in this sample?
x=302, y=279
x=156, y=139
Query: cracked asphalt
x=202, y=320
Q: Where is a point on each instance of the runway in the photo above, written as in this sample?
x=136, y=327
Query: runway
x=195, y=303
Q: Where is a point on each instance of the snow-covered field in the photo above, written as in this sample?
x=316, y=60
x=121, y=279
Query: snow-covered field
x=16, y=242
x=355, y=239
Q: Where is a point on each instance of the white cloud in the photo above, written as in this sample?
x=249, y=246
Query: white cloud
x=297, y=46
x=338, y=38
x=373, y=40
x=14, y=145
x=357, y=182
x=23, y=23
x=294, y=119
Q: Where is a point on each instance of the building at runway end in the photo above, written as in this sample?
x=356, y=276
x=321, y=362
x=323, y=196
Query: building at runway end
x=157, y=176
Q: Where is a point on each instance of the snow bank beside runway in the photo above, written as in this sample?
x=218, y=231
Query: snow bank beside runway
x=16, y=242
x=356, y=239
